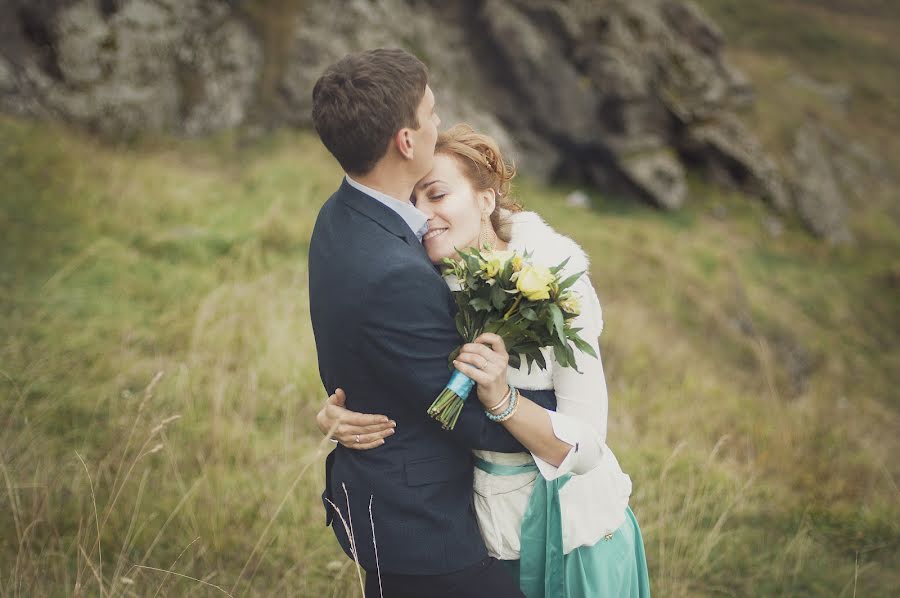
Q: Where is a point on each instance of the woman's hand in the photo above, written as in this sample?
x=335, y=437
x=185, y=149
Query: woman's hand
x=354, y=430
x=485, y=361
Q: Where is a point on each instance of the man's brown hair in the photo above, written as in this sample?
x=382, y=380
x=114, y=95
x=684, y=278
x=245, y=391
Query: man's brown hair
x=362, y=100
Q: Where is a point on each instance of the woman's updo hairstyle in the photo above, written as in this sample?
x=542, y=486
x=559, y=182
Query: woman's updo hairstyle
x=484, y=166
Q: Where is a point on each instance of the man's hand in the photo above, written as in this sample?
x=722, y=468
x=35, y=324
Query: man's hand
x=354, y=430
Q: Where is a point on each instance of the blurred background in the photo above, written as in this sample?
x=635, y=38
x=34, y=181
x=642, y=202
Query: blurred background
x=730, y=167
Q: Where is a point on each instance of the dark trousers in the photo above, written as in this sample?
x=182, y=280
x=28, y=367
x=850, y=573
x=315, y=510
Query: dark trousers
x=486, y=579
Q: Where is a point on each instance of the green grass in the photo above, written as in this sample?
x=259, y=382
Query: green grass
x=838, y=42
x=752, y=378
x=188, y=258
x=145, y=260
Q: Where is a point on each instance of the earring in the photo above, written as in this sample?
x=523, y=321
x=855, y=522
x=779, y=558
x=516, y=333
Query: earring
x=487, y=236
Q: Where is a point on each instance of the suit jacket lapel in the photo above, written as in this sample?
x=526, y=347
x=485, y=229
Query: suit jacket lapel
x=387, y=218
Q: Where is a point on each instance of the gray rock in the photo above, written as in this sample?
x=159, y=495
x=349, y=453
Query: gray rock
x=325, y=33
x=8, y=79
x=732, y=156
x=853, y=165
x=159, y=65
x=626, y=95
x=817, y=195
x=578, y=199
x=659, y=175
x=774, y=226
x=81, y=35
x=228, y=64
x=559, y=106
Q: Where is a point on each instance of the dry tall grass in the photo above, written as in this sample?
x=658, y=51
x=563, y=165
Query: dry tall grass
x=757, y=471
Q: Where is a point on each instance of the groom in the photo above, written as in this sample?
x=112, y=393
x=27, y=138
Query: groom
x=383, y=322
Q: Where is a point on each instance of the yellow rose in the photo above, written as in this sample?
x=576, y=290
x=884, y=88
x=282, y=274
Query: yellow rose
x=492, y=268
x=494, y=262
x=517, y=263
x=534, y=282
x=571, y=304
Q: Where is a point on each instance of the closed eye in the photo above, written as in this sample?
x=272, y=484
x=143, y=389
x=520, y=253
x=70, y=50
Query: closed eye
x=437, y=197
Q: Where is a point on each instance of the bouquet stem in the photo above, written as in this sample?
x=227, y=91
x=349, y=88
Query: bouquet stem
x=447, y=407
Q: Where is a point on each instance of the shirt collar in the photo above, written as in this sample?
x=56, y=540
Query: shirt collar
x=414, y=218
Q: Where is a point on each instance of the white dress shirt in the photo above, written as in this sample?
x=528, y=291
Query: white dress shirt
x=593, y=501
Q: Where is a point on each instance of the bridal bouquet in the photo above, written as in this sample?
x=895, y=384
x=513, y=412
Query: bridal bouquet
x=526, y=304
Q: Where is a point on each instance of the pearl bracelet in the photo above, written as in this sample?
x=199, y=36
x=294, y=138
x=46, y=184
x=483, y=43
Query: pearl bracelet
x=510, y=410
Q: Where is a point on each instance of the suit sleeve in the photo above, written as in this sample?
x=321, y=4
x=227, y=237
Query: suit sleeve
x=407, y=335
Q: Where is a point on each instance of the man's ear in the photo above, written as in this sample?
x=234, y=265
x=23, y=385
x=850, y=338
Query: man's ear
x=404, y=143
x=488, y=201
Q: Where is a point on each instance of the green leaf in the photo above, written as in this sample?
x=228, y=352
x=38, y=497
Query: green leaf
x=479, y=304
x=498, y=297
x=493, y=326
x=471, y=262
x=559, y=352
x=530, y=335
x=556, y=269
x=558, y=322
x=460, y=320
x=453, y=356
x=570, y=281
x=525, y=348
x=507, y=271
x=584, y=347
x=570, y=354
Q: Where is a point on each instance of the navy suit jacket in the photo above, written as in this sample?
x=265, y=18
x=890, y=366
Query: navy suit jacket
x=383, y=322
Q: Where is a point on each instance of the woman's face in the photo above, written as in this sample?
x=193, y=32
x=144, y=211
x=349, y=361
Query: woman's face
x=454, y=209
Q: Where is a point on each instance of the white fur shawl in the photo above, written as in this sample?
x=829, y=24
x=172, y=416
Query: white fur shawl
x=528, y=232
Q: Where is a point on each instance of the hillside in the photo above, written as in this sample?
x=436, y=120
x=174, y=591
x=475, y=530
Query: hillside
x=158, y=380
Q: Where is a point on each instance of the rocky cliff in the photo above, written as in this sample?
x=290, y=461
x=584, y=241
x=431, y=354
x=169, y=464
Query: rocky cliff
x=627, y=95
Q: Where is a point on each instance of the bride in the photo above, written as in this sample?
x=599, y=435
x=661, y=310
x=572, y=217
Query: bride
x=558, y=515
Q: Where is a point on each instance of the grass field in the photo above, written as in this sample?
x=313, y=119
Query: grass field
x=158, y=379
x=750, y=379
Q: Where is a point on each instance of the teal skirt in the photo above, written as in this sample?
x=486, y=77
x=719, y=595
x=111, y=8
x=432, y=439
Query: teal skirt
x=614, y=567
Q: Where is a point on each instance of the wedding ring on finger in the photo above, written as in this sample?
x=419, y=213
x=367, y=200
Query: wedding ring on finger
x=357, y=439
x=483, y=365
